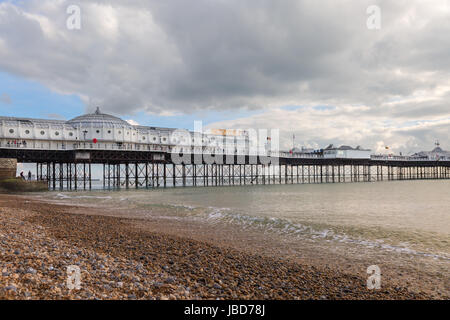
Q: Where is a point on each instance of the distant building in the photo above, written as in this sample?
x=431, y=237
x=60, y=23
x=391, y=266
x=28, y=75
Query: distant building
x=435, y=154
x=303, y=150
x=345, y=152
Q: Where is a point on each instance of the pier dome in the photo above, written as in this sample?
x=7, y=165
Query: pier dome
x=98, y=119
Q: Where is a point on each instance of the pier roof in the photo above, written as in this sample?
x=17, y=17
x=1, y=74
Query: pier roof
x=97, y=118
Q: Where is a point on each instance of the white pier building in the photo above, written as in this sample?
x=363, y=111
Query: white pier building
x=106, y=132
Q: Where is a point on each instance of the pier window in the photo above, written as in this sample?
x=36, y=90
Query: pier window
x=42, y=132
x=56, y=133
x=27, y=131
x=70, y=134
x=11, y=130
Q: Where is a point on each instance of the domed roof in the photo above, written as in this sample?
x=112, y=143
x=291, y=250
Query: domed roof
x=437, y=150
x=98, y=119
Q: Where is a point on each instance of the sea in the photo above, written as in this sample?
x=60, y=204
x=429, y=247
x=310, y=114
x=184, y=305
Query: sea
x=401, y=225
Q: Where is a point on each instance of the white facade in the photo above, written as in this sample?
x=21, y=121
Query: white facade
x=106, y=132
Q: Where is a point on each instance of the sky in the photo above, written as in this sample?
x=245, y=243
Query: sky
x=312, y=68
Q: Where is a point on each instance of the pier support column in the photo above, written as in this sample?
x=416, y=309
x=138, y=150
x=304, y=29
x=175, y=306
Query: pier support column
x=264, y=174
x=127, y=176
x=54, y=175
x=174, y=174
x=84, y=176
x=285, y=174
x=146, y=175
x=136, y=175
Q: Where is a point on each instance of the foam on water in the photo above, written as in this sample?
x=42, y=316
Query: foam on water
x=286, y=227
x=66, y=196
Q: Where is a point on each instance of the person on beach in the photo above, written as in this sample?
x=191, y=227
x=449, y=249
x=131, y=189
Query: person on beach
x=22, y=176
x=29, y=175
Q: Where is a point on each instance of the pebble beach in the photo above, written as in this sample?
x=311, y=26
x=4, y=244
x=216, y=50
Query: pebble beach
x=118, y=260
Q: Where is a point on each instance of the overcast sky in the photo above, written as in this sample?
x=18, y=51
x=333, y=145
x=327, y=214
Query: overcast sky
x=312, y=68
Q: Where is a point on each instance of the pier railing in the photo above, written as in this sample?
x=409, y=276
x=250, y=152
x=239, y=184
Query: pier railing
x=37, y=145
x=203, y=149
x=408, y=158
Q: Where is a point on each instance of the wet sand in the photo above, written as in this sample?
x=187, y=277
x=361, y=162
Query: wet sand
x=129, y=258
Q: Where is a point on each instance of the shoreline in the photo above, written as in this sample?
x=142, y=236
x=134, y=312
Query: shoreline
x=120, y=259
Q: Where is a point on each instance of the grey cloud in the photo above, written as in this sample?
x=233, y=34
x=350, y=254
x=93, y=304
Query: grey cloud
x=174, y=56
x=208, y=54
x=318, y=128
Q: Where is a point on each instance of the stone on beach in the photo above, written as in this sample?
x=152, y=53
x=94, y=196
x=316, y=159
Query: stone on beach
x=119, y=261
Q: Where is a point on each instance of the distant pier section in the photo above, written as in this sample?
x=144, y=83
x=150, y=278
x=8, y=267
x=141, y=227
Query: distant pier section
x=134, y=156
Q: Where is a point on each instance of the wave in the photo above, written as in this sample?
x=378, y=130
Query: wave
x=65, y=196
x=286, y=227
x=280, y=226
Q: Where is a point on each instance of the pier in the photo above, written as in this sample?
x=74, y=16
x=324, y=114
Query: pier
x=129, y=156
x=72, y=170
